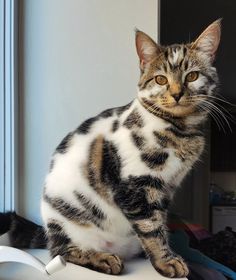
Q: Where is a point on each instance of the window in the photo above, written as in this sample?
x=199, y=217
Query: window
x=8, y=103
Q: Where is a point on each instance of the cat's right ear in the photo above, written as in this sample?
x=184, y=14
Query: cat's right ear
x=209, y=40
x=147, y=49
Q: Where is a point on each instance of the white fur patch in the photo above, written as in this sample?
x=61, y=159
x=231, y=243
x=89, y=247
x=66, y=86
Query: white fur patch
x=175, y=56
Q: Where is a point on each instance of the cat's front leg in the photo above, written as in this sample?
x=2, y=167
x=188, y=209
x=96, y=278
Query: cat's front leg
x=144, y=201
x=153, y=235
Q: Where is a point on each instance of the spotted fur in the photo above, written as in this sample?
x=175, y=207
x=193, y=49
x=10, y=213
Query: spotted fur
x=112, y=180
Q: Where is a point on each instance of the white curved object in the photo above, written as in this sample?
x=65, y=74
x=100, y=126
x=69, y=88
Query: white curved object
x=10, y=254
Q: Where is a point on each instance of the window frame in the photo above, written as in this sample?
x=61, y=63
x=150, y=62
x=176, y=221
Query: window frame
x=8, y=104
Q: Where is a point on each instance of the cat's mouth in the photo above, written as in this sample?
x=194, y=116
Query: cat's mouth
x=175, y=104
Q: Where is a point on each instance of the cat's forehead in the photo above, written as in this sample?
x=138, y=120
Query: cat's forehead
x=177, y=56
x=173, y=61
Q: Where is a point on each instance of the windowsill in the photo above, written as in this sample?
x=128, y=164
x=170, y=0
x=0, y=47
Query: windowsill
x=138, y=269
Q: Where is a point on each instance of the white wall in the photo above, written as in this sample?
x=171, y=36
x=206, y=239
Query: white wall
x=77, y=57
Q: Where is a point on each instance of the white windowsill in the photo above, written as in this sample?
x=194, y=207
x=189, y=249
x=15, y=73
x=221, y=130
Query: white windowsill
x=138, y=269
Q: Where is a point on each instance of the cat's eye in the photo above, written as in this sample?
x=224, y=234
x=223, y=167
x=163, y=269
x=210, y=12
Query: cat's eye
x=192, y=76
x=161, y=80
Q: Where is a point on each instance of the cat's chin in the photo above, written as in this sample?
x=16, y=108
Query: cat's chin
x=179, y=110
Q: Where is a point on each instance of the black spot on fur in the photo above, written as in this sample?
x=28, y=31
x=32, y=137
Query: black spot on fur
x=182, y=133
x=186, y=65
x=122, y=109
x=63, y=207
x=161, y=205
x=134, y=119
x=130, y=195
x=95, y=211
x=181, y=62
x=63, y=146
x=138, y=140
x=111, y=165
x=107, y=113
x=84, y=128
x=145, y=181
x=70, y=212
x=161, y=139
x=57, y=239
x=54, y=226
x=133, y=203
x=154, y=159
x=166, y=54
x=164, y=67
x=115, y=126
x=144, y=84
x=164, y=140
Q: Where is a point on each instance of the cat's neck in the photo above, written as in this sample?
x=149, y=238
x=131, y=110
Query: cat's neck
x=190, y=121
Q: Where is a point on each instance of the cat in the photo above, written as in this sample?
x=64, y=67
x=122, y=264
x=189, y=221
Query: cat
x=111, y=180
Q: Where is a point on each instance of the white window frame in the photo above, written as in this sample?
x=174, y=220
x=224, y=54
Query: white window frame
x=8, y=104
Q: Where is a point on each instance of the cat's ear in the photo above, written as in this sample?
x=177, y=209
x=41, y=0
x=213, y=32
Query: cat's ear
x=147, y=49
x=209, y=40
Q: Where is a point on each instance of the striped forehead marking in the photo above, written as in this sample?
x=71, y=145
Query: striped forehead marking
x=175, y=56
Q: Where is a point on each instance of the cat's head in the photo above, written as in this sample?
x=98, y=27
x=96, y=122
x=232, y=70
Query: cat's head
x=177, y=79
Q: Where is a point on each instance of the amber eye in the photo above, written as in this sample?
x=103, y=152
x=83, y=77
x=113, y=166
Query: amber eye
x=192, y=76
x=161, y=80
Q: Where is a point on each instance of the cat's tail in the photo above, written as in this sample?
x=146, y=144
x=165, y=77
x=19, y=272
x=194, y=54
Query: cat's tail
x=21, y=232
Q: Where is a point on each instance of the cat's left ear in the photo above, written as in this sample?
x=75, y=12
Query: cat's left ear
x=147, y=49
x=209, y=40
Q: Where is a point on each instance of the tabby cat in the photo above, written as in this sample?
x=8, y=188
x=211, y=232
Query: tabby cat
x=111, y=180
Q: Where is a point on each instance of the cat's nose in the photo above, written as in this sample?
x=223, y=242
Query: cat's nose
x=177, y=96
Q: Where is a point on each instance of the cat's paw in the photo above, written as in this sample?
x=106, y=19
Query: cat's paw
x=173, y=268
x=110, y=264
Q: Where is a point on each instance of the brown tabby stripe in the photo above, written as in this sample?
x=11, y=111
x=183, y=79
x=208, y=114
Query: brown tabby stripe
x=115, y=126
x=184, y=134
x=138, y=140
x=89, y=206
x=154, y=159
x=74, y=214
x=94, y=168
x=85, y=127
x=58, y=241
x=134, y=119
x=164, y=140
x=111, y=164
